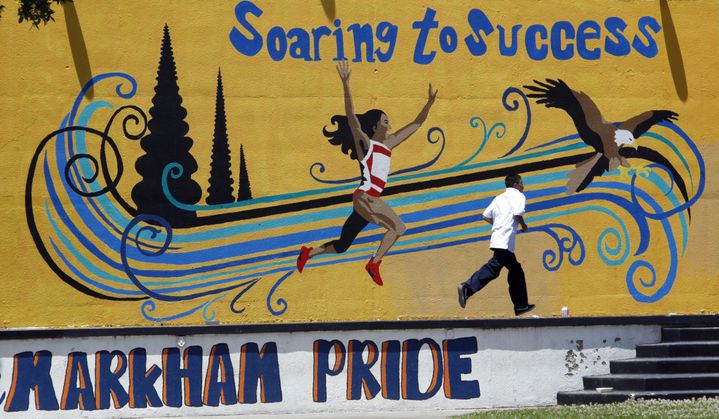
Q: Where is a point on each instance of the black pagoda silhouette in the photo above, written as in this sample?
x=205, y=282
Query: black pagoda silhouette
x=244, y=192
x=220, y=190
x=166, y=142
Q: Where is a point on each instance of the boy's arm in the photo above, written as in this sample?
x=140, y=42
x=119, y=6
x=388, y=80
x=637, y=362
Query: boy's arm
x=488, y=214
x=520, y=220
x=519, y=213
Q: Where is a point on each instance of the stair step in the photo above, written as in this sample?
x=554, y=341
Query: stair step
x=694, y=364
x=593, y=396
x=653, y=382
x=676, y=334
x=678, y=349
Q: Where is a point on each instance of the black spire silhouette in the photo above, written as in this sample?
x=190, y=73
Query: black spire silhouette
x=220, y=190
x=244, y=191
x=166, y=142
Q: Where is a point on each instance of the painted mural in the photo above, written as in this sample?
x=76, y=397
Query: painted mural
x=282, y=199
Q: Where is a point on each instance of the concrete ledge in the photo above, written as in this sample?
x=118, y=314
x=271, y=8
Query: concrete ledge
x=217, y=370
x=663, y=321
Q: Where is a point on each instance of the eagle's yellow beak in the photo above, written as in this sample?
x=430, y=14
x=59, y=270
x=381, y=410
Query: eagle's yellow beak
x=634, y=144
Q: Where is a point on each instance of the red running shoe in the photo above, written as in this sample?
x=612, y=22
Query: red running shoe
x=373, y=271
x=303, y=257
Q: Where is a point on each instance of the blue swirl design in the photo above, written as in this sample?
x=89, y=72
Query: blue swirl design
x=239, y=295
x=647, y=294
x=499, y=129
x=660, y=215
x=513, y=107
x=613, y=255
x=281, y=301
x=149, y=306
x=154, y=232
x=321, y=167
x=475, y=122
x=95, y=241
x=572, y=246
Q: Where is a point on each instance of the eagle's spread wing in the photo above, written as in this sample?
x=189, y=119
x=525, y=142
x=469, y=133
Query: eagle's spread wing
x=641, y=123
x=585, y=114
x=585, y=171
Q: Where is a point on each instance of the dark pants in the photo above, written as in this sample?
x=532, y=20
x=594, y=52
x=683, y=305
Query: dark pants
x=350, y=230
x=502, y=258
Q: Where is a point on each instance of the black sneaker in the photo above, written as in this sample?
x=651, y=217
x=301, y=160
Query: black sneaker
x=518, y=311
x=462, y=291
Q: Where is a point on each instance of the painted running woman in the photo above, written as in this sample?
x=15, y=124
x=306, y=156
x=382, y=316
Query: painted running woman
x=368, y=139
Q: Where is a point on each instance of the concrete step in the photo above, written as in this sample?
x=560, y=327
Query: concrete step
x=593, y=396
x=677, y=334
x=653, y=382
x=673, y=365
x=678, y=349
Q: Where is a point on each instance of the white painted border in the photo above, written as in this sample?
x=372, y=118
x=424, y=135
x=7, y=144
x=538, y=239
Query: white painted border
x=514, y=367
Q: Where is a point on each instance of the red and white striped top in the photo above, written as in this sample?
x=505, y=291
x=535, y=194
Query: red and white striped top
x=375, y=168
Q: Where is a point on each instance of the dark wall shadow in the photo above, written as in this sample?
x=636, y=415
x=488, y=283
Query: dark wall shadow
x=674, y=53
x=77, y=46
x=330, y=9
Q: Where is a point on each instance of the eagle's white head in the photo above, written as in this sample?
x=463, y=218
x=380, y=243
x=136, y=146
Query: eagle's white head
x=624, y=138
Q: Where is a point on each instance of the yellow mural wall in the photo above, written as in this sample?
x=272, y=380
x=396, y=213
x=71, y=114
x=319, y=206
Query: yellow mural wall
x=651, y=251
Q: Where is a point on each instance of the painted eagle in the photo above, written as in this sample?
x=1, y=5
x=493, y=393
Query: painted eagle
x=614, y=143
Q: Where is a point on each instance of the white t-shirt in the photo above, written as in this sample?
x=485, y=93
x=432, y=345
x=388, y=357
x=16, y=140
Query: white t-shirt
x=502, y=211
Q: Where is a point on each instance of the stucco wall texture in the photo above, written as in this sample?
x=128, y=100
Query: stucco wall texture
x=637, y=240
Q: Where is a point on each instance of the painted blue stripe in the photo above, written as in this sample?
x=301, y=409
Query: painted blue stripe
x=104, y=207
x=67, y=221
x=555, y=142
x=87, y=280
x=439, y=226
x=342, y=213
x=620, y=222
x=657, y=180
x=299, y=238
x=466, y=189
x=664, y=289
x=586, y=196
x=347, y=188
x=676, y=151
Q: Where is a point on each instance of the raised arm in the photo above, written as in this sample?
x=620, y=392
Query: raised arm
x=360, y=138
x=398, y=137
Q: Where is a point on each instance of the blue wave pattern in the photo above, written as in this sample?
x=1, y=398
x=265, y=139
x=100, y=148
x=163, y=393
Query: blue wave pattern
x=430, y=139
x=102, y=245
